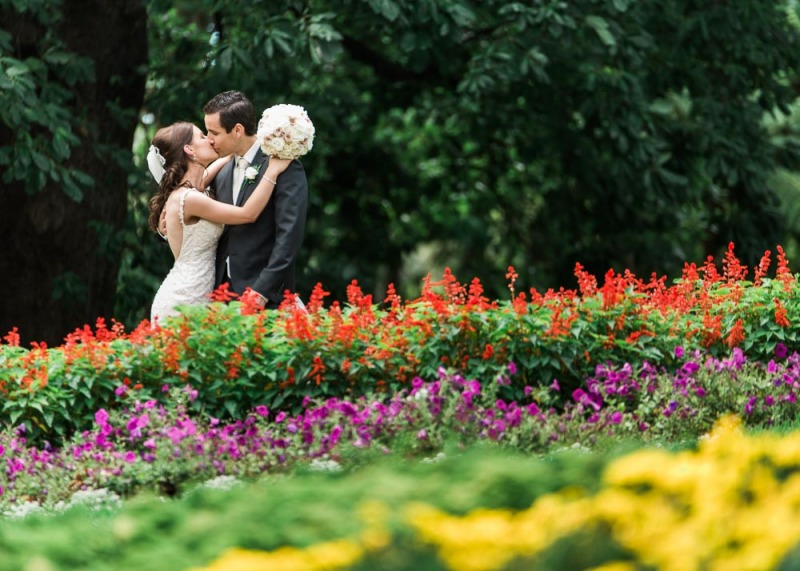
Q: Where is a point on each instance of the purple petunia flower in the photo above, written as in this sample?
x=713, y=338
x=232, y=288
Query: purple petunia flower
x=101, y=417
x=781, y=351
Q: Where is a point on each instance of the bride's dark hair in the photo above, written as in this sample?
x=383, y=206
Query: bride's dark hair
x=170, y=142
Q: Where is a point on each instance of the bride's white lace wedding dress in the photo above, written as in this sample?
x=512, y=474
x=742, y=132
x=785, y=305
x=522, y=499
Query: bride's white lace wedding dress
x=191, y=279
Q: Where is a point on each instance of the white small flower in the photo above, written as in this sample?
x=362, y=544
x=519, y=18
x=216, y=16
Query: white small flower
x=318, y=465
x=221, y=483
x=250, y=173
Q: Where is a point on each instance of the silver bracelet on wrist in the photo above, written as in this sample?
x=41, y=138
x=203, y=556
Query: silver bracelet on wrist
x=275, y=183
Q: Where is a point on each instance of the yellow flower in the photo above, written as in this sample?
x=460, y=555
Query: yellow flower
x=328, y=556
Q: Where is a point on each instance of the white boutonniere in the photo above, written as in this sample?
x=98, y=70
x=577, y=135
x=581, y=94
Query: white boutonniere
x=250, y=174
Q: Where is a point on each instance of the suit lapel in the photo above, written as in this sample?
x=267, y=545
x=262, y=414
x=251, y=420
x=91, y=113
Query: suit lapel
x=225, y=186
x=260, y=162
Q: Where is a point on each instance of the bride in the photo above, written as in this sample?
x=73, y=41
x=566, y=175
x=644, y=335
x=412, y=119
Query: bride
x=182, y=161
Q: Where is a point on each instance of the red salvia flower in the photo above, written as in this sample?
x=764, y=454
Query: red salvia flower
x=783, y=273
x=733, y=270
x=780, y=314
x=223, y=293
x=511, y=276
x=736, y=334
x=250, y=302
x=587, y=283
x=315, y=302
x=763, y=267
x=710, y=274
x=12, y=337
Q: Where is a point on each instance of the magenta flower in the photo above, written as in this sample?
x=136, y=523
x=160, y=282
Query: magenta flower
x=136, y=424
x=781, y=351
x=101, y=417
x=336, y=433
x=262, y=410
x=616, y=418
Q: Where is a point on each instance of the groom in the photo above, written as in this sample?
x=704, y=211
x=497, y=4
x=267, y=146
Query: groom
x=260, y=255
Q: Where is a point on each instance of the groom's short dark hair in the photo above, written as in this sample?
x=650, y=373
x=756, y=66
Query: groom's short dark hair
x=233, y=107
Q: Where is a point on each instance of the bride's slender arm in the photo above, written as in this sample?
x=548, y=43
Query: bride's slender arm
x=214, y=168
x=201, y=206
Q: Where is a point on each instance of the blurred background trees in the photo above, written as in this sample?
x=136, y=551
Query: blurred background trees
x=473, y=135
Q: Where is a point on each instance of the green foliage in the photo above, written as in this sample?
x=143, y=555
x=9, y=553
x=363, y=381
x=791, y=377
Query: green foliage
x=237, y=357
x=37, y=92
x=476, y=135
x=303, y=510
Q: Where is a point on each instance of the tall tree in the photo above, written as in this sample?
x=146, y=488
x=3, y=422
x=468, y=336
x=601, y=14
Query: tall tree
x=71, y=84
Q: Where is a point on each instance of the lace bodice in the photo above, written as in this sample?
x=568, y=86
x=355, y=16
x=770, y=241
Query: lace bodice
x=191, y=279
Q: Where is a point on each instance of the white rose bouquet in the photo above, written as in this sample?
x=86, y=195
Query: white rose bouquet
x=285, y=131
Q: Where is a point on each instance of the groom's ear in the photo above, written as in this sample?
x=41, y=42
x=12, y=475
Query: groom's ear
x=238, y=129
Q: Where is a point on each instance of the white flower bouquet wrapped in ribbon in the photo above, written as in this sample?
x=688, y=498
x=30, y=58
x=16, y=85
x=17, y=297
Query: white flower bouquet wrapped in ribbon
x=285, y=131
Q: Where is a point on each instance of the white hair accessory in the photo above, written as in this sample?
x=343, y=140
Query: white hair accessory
x=156, y=162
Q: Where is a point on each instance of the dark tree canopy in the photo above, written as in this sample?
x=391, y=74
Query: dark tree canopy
x=472, y=134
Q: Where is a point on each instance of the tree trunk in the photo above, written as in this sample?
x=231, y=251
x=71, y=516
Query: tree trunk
x=61, y=257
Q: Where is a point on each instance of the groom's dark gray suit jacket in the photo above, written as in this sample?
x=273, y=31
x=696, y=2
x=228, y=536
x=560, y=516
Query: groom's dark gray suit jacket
x=263, y=254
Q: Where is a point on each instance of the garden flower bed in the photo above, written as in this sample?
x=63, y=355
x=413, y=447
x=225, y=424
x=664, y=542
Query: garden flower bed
x=560, y=386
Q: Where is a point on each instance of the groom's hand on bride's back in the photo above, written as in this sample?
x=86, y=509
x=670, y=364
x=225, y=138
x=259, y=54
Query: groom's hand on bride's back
x=162, y=224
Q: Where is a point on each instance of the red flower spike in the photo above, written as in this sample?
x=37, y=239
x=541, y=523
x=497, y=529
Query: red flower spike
x=783, y=273
x=251, y=302
x=315, y=301
x=780, y=314
x=12, y=337
x=736, y=335
x=763, y=267
x=223, y=293
x=587, y=283
x=511, y=276
x=733, y=270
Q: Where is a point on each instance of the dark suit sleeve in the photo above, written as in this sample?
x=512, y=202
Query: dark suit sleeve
x=291, y=205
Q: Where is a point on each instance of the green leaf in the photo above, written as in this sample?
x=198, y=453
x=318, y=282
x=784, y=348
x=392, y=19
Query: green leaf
x=600, y=26
x=17, y=69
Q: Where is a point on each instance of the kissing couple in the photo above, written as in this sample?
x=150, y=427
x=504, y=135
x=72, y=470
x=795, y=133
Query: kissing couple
x=231, y=213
